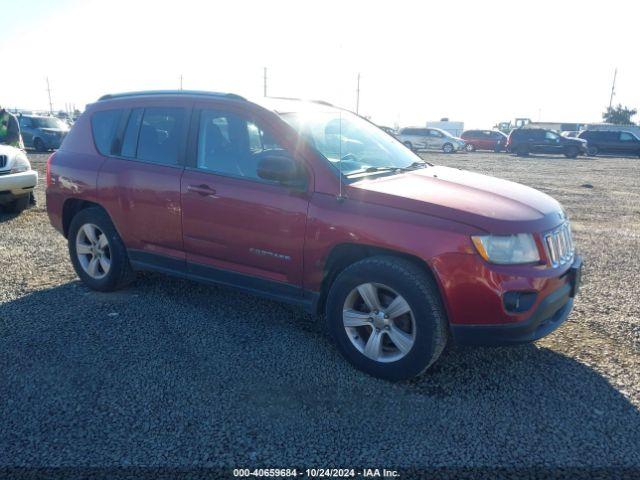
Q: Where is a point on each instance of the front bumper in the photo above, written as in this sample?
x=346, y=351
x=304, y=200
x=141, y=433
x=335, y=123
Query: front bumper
x=17, y=184
x=550, y=313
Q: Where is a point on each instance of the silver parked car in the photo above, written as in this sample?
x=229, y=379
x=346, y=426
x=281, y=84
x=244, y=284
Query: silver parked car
x=419, y=138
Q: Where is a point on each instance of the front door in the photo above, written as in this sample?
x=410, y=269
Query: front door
x=237, y=227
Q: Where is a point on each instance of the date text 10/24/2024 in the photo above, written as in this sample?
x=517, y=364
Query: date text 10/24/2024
x=316, y=472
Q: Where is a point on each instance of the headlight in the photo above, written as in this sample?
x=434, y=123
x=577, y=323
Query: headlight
x=507, y=249
x=20, y=164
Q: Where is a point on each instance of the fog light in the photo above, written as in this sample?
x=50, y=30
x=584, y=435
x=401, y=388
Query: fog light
x=518, y=302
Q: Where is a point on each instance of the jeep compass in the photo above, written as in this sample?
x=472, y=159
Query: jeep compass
x=310, y=204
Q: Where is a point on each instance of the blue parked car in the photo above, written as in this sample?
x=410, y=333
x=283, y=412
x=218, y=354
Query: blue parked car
x=42, y=133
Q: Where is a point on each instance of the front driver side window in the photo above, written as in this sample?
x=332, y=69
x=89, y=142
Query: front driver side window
x=231, y=145
x=550, y=136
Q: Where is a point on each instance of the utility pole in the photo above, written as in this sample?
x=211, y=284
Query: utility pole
x=358, y=95
x=613, y=87
x=49, y=92
x=264, y=82
x=180, y=81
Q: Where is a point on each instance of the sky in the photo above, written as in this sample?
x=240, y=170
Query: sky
x=480, y=62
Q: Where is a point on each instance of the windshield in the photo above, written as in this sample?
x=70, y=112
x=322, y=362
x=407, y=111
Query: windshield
x=352, y=144
x=48, y=122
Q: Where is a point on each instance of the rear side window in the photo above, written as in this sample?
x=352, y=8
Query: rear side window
x=104, y=125
x=161, y=134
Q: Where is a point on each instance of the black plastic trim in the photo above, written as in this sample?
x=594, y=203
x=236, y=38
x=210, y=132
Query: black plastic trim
x=283, y=292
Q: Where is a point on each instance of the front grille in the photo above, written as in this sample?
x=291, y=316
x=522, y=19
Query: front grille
x=559, y=245
x=3, y=161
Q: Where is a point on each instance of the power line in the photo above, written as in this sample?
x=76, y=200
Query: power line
x=264, y=82
x=49, y=92
x=613, y=87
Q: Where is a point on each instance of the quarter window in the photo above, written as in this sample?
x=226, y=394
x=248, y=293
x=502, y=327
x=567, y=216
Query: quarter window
x=626, y=137
x=103, y=126
x=231, y=145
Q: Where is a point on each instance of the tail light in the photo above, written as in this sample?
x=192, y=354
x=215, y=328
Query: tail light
x=49, y=169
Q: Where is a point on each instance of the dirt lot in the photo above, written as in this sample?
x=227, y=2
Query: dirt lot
x=171, y=373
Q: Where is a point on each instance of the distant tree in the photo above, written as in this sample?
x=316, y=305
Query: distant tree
x=619, y=115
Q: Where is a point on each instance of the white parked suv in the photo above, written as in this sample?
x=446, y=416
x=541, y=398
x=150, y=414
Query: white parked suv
x=420, y=138
x=17, y=180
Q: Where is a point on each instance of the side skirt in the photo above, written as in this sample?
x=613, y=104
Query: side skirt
x=282, y=292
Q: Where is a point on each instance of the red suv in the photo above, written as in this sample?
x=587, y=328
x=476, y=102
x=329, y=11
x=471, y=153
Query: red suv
x=310, y=204
x=484, y=140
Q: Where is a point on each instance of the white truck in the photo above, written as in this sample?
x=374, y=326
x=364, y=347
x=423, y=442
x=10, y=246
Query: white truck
x=17, y=179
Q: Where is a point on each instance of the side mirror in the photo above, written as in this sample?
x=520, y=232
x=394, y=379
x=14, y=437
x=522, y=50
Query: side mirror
x=279, y=167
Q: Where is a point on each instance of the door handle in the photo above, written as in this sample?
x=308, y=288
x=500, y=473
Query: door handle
x=204, y=190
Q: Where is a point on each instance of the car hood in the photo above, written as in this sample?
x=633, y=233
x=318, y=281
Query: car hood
x=488, y=203
x=9, y=151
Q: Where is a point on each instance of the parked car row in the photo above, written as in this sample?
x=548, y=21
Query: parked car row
x=522, y=141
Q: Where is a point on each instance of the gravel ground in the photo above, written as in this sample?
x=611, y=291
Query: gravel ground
x=169, y=373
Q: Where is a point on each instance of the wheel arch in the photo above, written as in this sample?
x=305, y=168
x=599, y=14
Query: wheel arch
x=343, y=255
x=71, y=207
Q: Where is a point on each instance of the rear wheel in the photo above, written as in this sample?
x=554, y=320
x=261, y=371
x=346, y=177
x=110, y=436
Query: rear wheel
x=522, y=151
x=386, y=317
x=447, y=148
x=97, y=252
x=39, y=145
x=592, y=151
x=408, y=145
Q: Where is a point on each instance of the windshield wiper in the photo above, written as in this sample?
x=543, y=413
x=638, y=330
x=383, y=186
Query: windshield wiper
x=388, y=168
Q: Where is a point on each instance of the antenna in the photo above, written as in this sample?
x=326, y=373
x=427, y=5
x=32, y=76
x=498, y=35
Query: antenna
x=358, y=96
x=613, y=87
x=180, y=81
x=49, y=92
x=340, y=197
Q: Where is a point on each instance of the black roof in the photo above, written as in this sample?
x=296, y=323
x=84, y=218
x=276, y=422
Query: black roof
x=200, y=93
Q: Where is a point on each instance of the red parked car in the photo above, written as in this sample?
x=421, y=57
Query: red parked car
x=310, y=204
x=484, y=140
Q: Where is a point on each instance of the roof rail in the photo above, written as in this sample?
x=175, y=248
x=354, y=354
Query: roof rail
x=203, y=93
x=321, y=102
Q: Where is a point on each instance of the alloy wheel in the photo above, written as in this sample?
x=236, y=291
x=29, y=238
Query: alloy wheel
x=379, y=322
x=93, y=252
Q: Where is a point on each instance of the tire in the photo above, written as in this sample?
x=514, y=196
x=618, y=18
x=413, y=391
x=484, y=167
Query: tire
x=425, y=323
x=39, y=145
x=119, y=272
x=408, y=145
x=522, y=151
x=469, y=148
x=592, y=151
x=571, y=152
x=19, y=205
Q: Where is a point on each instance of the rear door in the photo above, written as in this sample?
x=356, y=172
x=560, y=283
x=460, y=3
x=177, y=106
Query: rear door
x=140, y=184
x=238, y=227
x=628, y=144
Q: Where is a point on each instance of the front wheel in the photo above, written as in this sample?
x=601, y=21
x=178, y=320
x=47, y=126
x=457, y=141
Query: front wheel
x=592, y=151
x=39, y=145
x=386, y=317
x=19, y=205
x=408, y=145
x=97, y=252
x=469, y=148
x=571, y=152
x=447, y=148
